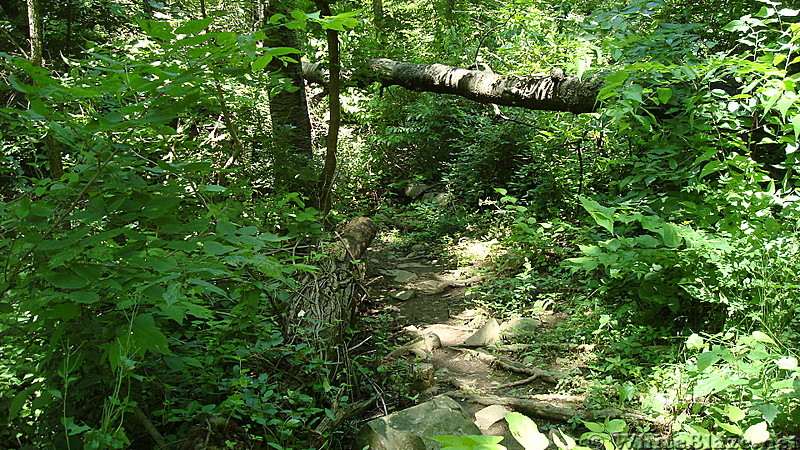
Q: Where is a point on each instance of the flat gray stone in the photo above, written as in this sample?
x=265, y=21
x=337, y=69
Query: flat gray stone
x=409, y=429
x=519, y=326
x=432, y=287
x=404, y=276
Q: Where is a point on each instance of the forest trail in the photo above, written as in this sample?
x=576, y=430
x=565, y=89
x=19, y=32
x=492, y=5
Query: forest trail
x=434, y=326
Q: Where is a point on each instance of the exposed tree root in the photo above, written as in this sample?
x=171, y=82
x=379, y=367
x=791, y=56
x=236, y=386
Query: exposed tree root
x=513, y=366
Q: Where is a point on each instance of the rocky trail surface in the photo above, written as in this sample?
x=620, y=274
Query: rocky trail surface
x=450, y=347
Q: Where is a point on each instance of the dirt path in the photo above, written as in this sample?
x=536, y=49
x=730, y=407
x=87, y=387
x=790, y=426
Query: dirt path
x=428, y=295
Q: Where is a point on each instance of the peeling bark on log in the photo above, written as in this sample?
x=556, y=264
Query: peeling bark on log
x=553, y=412
x=537, y=409
x=553, y=92
x=324, y=304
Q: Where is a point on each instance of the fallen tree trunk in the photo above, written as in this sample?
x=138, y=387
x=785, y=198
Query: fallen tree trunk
x=324, y=304
x=553, y=92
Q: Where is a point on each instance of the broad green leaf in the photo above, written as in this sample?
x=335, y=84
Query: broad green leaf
x=194, y=26
x=261, y=62
x=226, y=38
x=757, y=434
x=789, y=363
x=711, y=167
x=584, y=263
x=594, y=426
x=707, y=359
x=796, y=125
x=762, y=337
x=664, y=94
x=671, y=236
x=208, y=286
x=526, y=432
x=562, y=440
x=695, y=342
x=634, y=92
x=615, y=426
x=734, y=413
x=215, y=248
x=84, y=296
x=214, y=188
x=19, y=400
x=711, y=384
x=603, y=216
x=65, y=280
x=148, y=336
x=733, y=429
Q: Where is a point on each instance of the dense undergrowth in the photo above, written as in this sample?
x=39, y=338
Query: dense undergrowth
x=144, y=290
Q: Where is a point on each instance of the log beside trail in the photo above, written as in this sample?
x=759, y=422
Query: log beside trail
x=324, y=305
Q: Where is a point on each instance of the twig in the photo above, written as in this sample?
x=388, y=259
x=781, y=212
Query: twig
x=148, y=426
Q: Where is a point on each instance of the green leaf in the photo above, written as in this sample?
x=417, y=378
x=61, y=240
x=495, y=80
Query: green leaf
x=561, y=440
x=19, y=400
x=526, y=432
x=584, y=263
x=711, y=384
x=796, y=125
x=734, y=413
x=695, y=342
x=65, y=280
x=261, y=62
x=757, y=434
x=226, y=38
x=594, y=426
x=664, y=94
x=711, y=167
x=84, y=296
x=603, y=216
x=732, y=429
x=148, y=336
x=762, y=337
x=671, y=235
x=194, y=26
x=707, y=359
x=615, y=426
x=216, y=249
x=789, y=363
x=214, y=188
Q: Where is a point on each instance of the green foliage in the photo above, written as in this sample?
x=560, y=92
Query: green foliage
x=730, y=386
x=141, y=279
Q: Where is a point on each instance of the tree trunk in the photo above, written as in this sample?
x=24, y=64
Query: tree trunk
x=554, y=92
x=334, y=114
x=377, y=14
x=52, y=148
x=291, y=126
x=324, y=305
x=35, y=32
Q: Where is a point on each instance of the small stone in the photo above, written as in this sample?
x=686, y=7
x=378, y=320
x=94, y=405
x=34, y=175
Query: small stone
x=403, y=294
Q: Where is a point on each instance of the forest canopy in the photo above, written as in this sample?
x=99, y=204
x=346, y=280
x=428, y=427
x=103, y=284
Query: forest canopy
x=220, y=220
